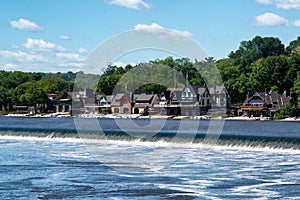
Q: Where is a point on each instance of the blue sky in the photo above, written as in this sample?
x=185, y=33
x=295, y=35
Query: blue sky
x=57, y=35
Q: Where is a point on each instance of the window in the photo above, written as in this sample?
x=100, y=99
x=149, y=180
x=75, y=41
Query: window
x=116, y=110
x=189, y=94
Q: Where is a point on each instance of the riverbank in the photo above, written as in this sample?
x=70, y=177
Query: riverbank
x=51, y=115
x=139, y=116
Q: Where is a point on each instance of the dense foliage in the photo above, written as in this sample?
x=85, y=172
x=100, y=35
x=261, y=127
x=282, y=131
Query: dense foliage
x=151, y=77
x=23, y=88
x=262, y=64
x=288, y=110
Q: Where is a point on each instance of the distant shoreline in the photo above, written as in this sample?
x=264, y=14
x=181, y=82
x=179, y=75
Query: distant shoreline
x=156, y=117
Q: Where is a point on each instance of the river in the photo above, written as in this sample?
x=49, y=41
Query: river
x=56, y=158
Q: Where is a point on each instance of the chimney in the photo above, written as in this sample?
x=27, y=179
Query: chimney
x=284, y=93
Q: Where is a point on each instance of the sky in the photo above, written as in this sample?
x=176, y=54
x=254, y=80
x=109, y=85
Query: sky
x=58, y=35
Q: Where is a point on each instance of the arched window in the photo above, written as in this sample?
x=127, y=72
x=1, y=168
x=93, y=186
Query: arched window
x=136, y=111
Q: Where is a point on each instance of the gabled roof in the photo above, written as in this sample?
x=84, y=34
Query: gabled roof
x=273, y=99
x=177, y=94
x=201, y=90
x=116, y=100
x=216, y=89
x=109, y=98
x=144, y=100
x=194, y=88
x=175, y=91
x=143, y=97
x=197, y=87
x=118, y=97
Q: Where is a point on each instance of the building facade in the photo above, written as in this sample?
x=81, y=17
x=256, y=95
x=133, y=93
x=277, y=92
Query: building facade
x=264, y=104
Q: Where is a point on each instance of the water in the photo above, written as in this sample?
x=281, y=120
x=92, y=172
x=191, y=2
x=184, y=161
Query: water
x=45, y=159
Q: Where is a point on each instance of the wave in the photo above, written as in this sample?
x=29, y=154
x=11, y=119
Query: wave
x=227, y=140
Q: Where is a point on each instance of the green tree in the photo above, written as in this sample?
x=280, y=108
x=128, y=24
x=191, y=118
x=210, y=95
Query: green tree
x=4, y=95
x=236, y=82
x=294, y=69
x=296, y=89
x=252, y=50
x=151, y=88
x=109, y=79
x=293, y=46
x=288, y=110
x=270, y=72
x=33, y=92
x=29, y=94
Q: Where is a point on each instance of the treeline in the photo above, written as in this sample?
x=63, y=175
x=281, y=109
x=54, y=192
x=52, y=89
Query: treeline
x=151, y=77
x=29, y=88
x=258, y=65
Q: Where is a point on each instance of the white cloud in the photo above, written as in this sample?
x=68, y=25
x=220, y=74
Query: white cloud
x=122, y=64
x=81, y=50
x=152, y=28
x=284, y=4
x=297, y=23
x=21, y=56
x=70, y=56
x=288, y=4
x=64, y=37
x=24, y=24
x=40, y=61
x=72, y=64
x=14, y=46
x=9, y=66
x=133, y=4
x=270, y=19
x=39, y=55
x=155, y=28
x=266, y=2
x=41, y=45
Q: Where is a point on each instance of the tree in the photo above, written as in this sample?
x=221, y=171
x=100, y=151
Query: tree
x=151, y=88
x=270, y=72
x=236, y=82
x=252, y=50
x=109, y=79
x=208, y=72
x=4, y=94
x=288, y=110
x=293, y=46
x=30, y=93
x=296, y=89
x=294, y=69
